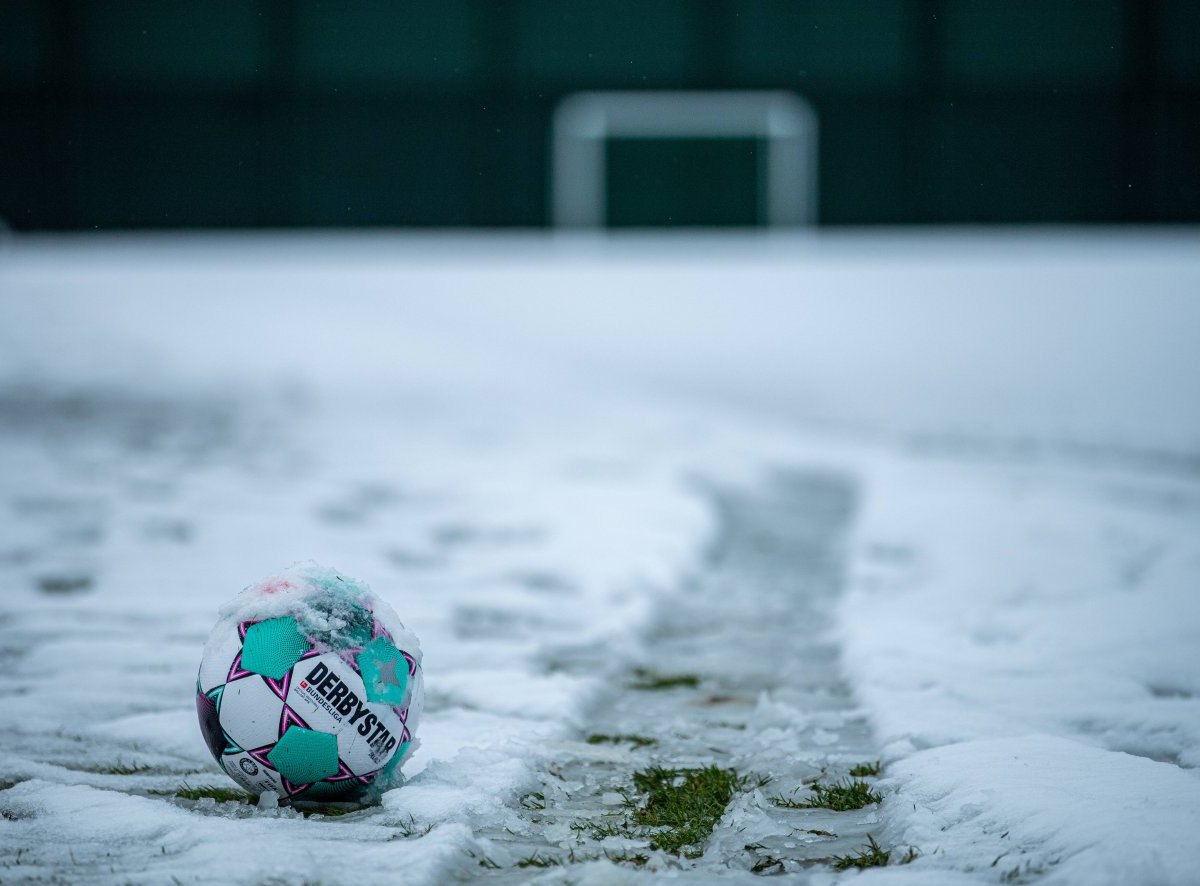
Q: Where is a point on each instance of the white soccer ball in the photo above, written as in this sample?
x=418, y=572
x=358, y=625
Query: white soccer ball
x=310, y=687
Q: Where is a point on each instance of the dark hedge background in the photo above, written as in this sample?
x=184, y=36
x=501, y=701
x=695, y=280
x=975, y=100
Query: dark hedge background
x=181, y=113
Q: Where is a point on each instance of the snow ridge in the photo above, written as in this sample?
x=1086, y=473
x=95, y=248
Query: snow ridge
x=1025, y=641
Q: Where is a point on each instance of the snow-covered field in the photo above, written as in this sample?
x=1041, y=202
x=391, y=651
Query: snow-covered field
x=511, y=438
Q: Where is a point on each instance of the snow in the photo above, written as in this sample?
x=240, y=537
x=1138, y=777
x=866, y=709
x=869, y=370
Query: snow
x=507, y=437
x=1042, y=334
x=1040, y=804
x=1026, y=641
x=324, y=602
x=270, y=846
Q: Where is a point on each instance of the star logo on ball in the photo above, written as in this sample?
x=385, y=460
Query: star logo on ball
x=387, y=673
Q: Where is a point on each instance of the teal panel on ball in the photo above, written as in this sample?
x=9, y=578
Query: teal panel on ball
x=271, y=647
x=390, y=766
x=303, y=756
x=384, y=671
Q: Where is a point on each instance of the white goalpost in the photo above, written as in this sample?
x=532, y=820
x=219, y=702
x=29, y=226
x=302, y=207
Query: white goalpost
x=584, y=122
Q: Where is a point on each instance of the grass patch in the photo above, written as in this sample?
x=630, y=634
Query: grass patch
x=867, y=770
x=870, y=856
x=601, y=830
x=768, y=864
x=649, y=681
x=537, y=860
x=545, y=860
x=636, y=859
x=410, y=828
x=682, y=806
x=221, y=795
x=674, y=810
x=841, y=796
x=121, y=769
x=534, y=800
x=638, y=741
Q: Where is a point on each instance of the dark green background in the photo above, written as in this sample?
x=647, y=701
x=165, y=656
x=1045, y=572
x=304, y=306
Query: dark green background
x=168, y=113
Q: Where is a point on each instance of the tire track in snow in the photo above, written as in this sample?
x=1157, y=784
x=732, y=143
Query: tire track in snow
x=752, y=628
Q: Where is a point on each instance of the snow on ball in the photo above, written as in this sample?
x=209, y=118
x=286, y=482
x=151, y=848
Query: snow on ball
x=310, y=687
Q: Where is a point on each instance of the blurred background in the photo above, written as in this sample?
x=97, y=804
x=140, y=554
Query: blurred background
x=247, y=113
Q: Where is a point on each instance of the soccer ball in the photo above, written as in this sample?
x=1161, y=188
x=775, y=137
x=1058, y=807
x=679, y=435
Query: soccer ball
x=310, y=687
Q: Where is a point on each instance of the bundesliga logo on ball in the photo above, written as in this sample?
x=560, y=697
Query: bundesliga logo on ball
x=310, y=687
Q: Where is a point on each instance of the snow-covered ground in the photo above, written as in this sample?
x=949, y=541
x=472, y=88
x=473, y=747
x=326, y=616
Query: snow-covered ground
x=508, y=438
x=1028, y=642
